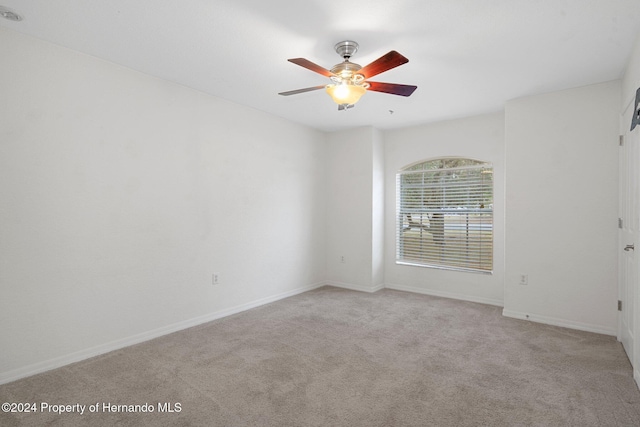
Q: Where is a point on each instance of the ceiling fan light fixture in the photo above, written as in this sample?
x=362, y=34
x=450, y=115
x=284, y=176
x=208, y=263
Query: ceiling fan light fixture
x=345, y=93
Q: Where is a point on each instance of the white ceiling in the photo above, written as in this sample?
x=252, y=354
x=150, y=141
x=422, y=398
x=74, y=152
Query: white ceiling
x=466, y=56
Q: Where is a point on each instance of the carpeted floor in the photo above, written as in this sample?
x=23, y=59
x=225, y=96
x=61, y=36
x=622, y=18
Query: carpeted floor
x=333, y=357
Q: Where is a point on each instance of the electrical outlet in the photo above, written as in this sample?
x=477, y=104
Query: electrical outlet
x=524, y=279
x=215, y=279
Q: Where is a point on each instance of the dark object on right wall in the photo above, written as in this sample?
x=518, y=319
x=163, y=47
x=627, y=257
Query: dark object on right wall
x=635, y=120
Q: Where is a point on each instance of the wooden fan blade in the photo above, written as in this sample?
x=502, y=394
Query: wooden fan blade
x=392, y=88
x=306, y=89
x=311, y=66
x=386, y=62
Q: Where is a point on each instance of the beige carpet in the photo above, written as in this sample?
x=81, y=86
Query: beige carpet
x=333, y=357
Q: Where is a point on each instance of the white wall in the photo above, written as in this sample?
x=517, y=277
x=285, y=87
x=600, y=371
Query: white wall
x=480, y=137
x=631, y=77
x=377, y=211
x=354, y=199
x=121, y=194
x=561, y=207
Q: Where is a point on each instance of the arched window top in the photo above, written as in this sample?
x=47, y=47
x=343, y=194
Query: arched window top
x=445, y=163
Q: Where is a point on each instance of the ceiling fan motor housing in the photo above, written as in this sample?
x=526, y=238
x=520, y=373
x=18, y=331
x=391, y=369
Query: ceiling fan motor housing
x=345, y=69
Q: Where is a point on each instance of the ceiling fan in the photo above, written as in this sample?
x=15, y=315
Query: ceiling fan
x=349, y=80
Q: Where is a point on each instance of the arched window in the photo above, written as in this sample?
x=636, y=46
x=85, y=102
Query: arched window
x=445, y=214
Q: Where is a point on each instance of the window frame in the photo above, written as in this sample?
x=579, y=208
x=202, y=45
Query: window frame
x=451, y=259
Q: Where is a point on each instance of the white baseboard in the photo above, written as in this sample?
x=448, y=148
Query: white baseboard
x=636, y=376
x=353, y=287
x=37, y=368
x=451, y=295
x=560, y=322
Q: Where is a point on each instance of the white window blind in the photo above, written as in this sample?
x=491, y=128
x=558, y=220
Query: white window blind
x=445, y=215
